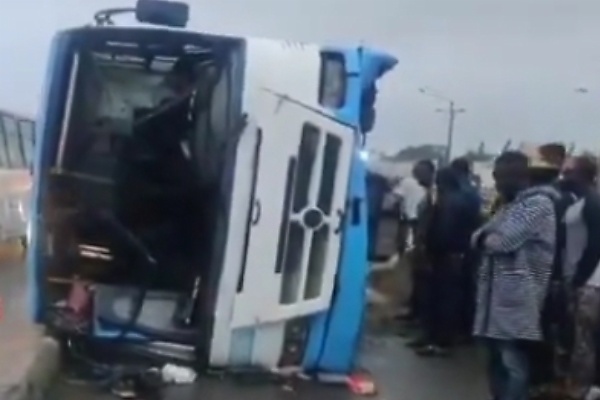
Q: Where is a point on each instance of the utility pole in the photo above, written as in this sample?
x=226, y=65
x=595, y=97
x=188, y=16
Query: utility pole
x=452, y=111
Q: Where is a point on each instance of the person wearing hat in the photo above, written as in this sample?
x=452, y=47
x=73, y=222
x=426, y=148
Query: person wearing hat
x=545, y=163
x=548, y=358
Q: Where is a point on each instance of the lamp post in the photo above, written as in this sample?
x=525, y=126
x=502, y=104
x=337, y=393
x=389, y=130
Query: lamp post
x=452, y=111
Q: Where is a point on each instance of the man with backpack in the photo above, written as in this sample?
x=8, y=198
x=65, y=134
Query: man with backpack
x=548, y=356
x=518, y=247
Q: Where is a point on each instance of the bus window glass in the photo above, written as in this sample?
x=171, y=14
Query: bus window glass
x=332, y=86
x=13, y=145
x=26, y=132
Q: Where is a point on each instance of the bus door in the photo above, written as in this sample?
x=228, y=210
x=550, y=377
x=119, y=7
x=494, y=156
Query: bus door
x=299, y=208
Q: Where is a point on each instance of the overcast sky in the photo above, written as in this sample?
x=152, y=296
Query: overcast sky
x=513, y=64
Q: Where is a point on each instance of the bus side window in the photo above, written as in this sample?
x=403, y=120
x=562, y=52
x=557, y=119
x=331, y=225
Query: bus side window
x=13, y=142
x=3, y=147
x=26, y=130
x=333, y=81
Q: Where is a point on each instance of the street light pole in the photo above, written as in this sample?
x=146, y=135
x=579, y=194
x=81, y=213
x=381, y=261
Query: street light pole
x=452, y=111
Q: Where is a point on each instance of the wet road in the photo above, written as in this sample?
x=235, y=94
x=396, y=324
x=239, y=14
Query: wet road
x=398, y=373
x=18, y=337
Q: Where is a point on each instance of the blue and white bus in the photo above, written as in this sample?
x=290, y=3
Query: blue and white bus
x=204, y=191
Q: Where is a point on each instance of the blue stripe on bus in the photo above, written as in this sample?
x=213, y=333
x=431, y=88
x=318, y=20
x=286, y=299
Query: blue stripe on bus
x=46, y=122
x=334, y=337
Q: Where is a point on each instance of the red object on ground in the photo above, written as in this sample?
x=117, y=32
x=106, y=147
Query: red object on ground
x=362, y=384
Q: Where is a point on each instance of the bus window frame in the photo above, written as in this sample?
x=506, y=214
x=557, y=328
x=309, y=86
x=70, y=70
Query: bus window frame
x=13, y=164
x=27, y=154
x=333, y=62
x=4, y=161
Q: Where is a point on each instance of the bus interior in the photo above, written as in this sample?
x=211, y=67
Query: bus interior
x=138, y=190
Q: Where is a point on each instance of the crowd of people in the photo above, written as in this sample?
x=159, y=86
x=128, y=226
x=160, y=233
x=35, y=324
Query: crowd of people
x=522, y=278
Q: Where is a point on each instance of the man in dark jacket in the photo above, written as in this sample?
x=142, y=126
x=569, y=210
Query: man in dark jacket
x=453, y=221
x=462, y=166
x=581, y=268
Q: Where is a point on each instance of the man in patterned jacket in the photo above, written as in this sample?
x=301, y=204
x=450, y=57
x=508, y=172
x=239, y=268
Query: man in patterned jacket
x=518, y=248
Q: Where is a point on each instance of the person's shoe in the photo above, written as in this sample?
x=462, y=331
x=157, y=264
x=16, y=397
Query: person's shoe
x=433, y=351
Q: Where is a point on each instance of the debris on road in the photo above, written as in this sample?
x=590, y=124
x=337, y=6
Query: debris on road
x=175, y=374
x=362, y=384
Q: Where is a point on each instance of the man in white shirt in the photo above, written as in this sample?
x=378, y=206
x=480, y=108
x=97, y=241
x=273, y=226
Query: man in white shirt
x=411, y=195
x=413, y=192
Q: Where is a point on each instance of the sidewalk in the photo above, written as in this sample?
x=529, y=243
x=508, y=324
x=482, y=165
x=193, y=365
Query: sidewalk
x=27, y=362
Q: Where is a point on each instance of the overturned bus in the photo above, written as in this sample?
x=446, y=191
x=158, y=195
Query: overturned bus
x=201, y=197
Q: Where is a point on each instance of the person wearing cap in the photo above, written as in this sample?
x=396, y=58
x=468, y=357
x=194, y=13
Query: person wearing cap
x=545, y=161
x=517, y=247
x=548, y=359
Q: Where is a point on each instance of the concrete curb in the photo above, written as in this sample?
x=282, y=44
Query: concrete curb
x=37, y=378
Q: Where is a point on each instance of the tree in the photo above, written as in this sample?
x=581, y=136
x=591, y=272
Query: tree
x=421, y=152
